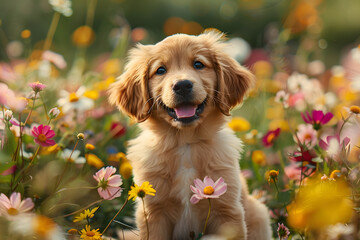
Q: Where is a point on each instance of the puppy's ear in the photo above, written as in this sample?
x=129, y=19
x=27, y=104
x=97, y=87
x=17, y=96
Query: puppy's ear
x=233, y=80
x=131, y=93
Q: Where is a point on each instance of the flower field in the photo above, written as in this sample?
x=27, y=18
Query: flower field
x=64, y=172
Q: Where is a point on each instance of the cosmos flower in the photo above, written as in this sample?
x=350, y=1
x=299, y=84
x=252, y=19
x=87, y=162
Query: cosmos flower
x=317, y=118
x=14, y=205
x=333, y=145
x=43, y=135
x=270, y=136
x=108, y=183
x=207, y=189
x=306, y=135
x=283, y=232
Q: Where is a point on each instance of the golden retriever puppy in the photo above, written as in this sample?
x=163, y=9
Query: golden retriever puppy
x=181, y=91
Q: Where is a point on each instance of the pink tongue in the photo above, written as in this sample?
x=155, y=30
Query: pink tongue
x=185, y=111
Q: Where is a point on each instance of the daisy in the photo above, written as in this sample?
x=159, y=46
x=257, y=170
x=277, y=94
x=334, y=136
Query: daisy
x=207, y=189
x=43, y=135
x=108, y=183
x=72, y=156
x=13, y=206
x=86, y=214
x=75, y=101
x=145, y=188
x=88, y=234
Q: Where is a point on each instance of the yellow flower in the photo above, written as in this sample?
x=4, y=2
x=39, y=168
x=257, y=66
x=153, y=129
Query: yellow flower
x=80, y=136
x=104, y=85
x=355, y=109
x=120, y=156
x=112, y=67
x=145, y=188
x=92, y=94
x=259, y=157
x=335, y=174
x=319, y=204
x=72, y=231
x=93, y=160
x=126, y=170
x=271, y=176
x=86, y=214
x=239, y=124
x=88, y=234
x=89, y=146
x=25, y=34
x=83, y=36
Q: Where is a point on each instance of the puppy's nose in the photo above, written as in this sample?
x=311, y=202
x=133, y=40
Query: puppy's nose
x=183, y=87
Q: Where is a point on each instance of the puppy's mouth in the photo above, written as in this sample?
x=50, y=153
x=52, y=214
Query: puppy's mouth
x=185, y=112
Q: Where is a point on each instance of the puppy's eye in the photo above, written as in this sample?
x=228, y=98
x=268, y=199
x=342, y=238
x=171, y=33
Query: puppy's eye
x=198, y=65
x=160, y=71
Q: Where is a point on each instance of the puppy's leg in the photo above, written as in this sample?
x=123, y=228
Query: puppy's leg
x=160, y=227
x=257, y=219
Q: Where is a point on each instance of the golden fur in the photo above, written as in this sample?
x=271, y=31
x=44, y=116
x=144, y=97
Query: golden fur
x=170, y=154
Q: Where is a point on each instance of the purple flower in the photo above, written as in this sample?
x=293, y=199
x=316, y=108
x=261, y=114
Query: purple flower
x=283, y=231
x=317, y=118
x=207, y=189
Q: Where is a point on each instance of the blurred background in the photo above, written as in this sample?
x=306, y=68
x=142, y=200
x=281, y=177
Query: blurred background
x=317, y=24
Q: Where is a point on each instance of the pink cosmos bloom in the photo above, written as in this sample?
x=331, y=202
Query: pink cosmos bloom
x=283, y=232
x=43, y=135
x=306, y=135
x=207, y=189
x=292, y=171
x=317, y=118
x=14, y=205
x=270, y=136
x=57, y=59
x=108, y=183
x=37, y=86
x=334, y=145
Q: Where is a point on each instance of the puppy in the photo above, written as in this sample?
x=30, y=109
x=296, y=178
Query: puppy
x=181, y=91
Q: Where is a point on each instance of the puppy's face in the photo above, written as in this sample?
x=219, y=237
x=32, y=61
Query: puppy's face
x=181, y=80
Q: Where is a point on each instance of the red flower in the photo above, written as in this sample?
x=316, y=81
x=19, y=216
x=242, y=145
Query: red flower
x=317, y=118
x=270, y=136
x=304, y=157
x=43, y=135
x=117, y=129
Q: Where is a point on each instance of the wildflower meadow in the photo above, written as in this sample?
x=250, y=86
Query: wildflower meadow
x=64, y=171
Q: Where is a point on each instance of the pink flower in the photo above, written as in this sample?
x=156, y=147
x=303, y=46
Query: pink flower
x=317, y=118
x=283, y=232
x=307, y=135
x=270, y=136
x=333, y=145
x=55, y=58
x=14, y=205
x=43, y=135
x=108, y=184
x=207, y=189
x=37, y=86
x=293, y=172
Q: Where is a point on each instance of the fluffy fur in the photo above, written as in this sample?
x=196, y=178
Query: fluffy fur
x=170, y=153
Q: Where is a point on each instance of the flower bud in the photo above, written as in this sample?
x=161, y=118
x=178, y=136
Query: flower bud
x=8, y=115
x=54, y=112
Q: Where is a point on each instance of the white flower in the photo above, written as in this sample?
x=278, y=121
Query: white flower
x=75, y=156
x=54, y=112
x=32, y=226
x=75, y=100
x=282, y=97
x=355, y=53
x=62, y=6
x=8, y=115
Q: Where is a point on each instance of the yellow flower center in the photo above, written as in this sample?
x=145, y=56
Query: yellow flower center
x=355, y=109
x=73, y=97
x=308, y=136
x=90, y=234
x=43, y=226
x=13, y=211
x=42, y=137
x=208, y=190
x=271, y=137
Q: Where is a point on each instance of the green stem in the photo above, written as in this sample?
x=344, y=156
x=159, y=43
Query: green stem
x=51, y=32
x=126, y=201
x=146, y=221
x=91, y=13
x=207, y=218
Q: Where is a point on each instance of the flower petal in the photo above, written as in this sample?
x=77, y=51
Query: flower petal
x=15, y=200
x=26, y=205
x=115, y=181
x=195, y=199
x=199, y=184
x=208, y=181
x=328, y=116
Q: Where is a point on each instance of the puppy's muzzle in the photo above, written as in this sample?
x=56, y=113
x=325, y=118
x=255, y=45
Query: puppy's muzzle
x=183, y=90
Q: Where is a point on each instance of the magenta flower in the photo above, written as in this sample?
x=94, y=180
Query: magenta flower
x=14, y=205
x=317, y=118
x=305, y=158
x=334, y=145
x=43, y=135
x=207, y=189
x=108, y=183
x=283, y=232
x=270, y=136
x=37, y=86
